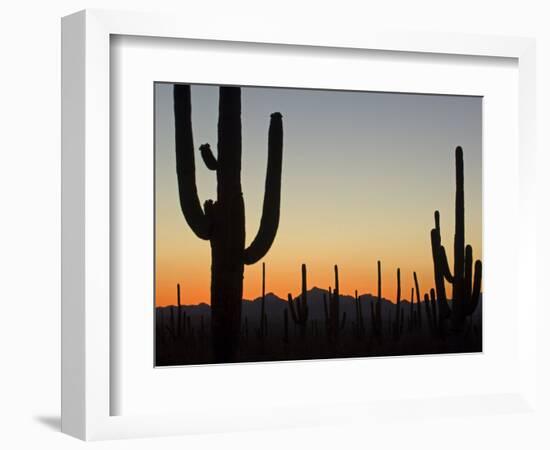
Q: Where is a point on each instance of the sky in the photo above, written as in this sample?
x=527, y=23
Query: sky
x=363, y=173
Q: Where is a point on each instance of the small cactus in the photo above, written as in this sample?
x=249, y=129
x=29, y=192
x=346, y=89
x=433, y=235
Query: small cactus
x=333, y=324
x=418, y=307
x=398, y=325
x=300, y=312
x=376, y=310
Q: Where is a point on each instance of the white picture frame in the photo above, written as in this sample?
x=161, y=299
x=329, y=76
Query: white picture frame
x=87, y=386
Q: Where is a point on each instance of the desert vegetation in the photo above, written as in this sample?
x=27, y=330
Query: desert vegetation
x=320, y=322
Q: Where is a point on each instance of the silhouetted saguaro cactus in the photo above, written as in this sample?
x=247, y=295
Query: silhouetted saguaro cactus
x=411, y=311
x=222, y=221
x=300, y=313
x=376, y=310
x=398, y=325
x=333, y=324
x=418, y=307
x=465, y=296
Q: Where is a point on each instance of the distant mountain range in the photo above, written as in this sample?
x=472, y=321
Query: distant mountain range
x=275, y=306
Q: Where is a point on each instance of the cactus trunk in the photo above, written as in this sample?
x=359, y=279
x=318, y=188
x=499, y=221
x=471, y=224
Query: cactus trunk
x=223, y=221
x=457, y=316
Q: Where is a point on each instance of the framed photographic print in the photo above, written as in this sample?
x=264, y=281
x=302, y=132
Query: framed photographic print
x=329, y=217
x=355, y=163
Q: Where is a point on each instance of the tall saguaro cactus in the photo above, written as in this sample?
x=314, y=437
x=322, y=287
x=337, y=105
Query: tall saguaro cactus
x=465, y=296
x=222, y=221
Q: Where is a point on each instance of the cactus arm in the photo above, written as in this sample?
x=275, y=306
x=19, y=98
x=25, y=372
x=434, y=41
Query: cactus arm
x=445, y=265
x=476, y=291
x=416, y=288
x=185, y=164
x=208, y=157
x=468, y=274
x=438, y=251
x=269, y=222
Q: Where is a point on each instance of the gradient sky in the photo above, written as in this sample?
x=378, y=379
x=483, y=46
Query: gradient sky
x=362, y=175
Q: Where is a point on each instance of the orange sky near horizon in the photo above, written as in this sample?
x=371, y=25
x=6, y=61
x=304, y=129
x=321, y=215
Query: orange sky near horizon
x=360, y=183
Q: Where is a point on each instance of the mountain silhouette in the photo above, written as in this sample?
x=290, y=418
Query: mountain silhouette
x=275, y=307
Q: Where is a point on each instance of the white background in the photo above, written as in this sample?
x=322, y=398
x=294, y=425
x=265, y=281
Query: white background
x=30, y=186
x=142, y=389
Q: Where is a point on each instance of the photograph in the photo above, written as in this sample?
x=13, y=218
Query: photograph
x=305, y=224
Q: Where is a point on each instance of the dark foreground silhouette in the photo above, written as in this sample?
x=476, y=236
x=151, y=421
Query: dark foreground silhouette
x=323, y=324
x=294, y=329
x=183, y=334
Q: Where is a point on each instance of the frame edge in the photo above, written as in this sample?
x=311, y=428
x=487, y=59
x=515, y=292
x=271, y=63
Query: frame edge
x=73, y=82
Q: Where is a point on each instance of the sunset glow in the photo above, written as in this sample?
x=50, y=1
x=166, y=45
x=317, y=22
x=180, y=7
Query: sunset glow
x=362, y=176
